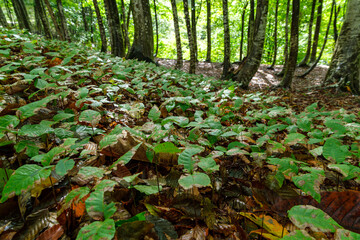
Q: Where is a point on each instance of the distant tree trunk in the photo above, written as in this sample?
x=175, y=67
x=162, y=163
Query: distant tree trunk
x=156, y=30
x=248, y=68
x=125, y=27
x=251, y=27
x=294, y=46
x=324, y=44
x=101, y=27
x=116, y=38
x=8, y=11
x=317, y=32
x=308, y=49
x=83, y=14
x=44, y=20
x=336, y=12
x=143, y=44
x=63, y=20
x=275, y=35
x=227, y=50
x=179, y=61
x=344, y=68
x=51, y=12
x=190, y=37
x=3, y=21
x=21, y=14
x=193, y=28
x=242, y=31
x=91, y=24
x=38, y=25
x=208, y=30
x=286, y=47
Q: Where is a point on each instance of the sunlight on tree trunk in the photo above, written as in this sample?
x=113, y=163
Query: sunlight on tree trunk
x=21, y=14
x=51, y=13
x=63, y=20
x=317, y=32
x=275, y=35
x=242, y=32
x=3, y=21
x=179, y=59
x=208, y=30
x=286, y=47
x=101, y=27
x=44, y=20
x=251, y=27
x=190, y=37
x=227, y=50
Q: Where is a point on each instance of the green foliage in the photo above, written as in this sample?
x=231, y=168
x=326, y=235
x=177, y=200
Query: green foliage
x=98, y=230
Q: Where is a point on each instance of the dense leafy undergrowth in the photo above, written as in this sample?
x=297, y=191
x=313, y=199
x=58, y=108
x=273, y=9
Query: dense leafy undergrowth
x=96, y=147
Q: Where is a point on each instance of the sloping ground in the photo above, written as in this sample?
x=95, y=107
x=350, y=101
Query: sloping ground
x=95, y=147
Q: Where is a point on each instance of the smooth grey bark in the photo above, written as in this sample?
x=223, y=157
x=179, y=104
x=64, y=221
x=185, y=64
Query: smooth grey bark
x=143, y=44
x=275, y=35
x=179, y=59
x=51, y=13
x=308, y=49
x=156, y=30
x=242, y=31
x=294, y=46
x=208, y=31
x=3, y=21
x=251, y=27
x=317, y=32
x=44, y=20
x=336, y=13
x=193, y=28
x=21, y=14
x=63, y=24
x=250, y=65
x=227, y=50
x=190, y=37
x=286, y=47
x=344, y=68
x=125, y=26
x=101, y=27
x=115, y=32
x=324, y=44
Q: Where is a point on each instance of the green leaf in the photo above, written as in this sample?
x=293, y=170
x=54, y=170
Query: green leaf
x=108, y=140
x=148, y=190
x=336, y=126
x=196, y=179
x=124, y=159
x=334, y=150
x=185, y=158
x=77, y=193
x=294, y=138
x=341, y=234
x=30, y=109
x=154, y=113
x=96, y=208
x=98, y=231
x=347, y=170
x=62, y=116
x=137, y=217
x=90, y=116
x=5, y=52
x=89, y=172
x=310, y=184
x=23, y=180
x=304, y=124
x=287, y=166
x=166, y=147
x=9, y=120
x=131, y=178
x=307, y=216
x=298, y=235
x=31, y=148
x=35, y=130
x=179, y=120
x=48, y=157
x=208, y=165
x=63, y=166
x=105, y=185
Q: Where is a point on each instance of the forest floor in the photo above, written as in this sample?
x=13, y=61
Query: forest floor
x=264, y=77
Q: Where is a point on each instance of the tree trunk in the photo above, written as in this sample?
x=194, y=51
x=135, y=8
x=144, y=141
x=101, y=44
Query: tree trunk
x=51, y=12
x=179, y=61
x=344, y=69
x=83, y=14
x=251, y=27
x=190, y=36
x=317, y=32
x=21, y=14
x=116, y=38
x=91, y=24
x=101, y=27
x=227, y=50
x=336, y=12
x=63, y=20
x=324, y=44
x=193, y=28
x=125, y=27
x=247, y=70
x=208, y=30
x=3, y=21
x=156, y=30
x=143, y=45
x=275, y=35
x=242, y=31
x=286, y=47
x=8, y=11
x=294, y=46
x=308, y=49
x=38, y=25
x=44, y=20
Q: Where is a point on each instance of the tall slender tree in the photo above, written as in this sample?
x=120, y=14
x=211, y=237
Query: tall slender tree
x=226, y=39
x=8, y=11
x=336, y=13
x=84, y=17
x=156, y=29
x=125, y=26
x=3, y=21
x=275, y=35
x=190, y=37
x=208, y=30
x=39, y=5
x=286, y=47
x=101, y=27
x=21, y=14
x=294, y=46
x=251, y=27
x=242, y=31
x=193, y=28
x=317, y=32
x=52, y=15
x=179, y=59
x=248, y=68
x=143, y=44
x=63, y=23
x=116, y=37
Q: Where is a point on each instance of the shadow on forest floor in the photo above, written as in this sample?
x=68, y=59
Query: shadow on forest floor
x=264, y=77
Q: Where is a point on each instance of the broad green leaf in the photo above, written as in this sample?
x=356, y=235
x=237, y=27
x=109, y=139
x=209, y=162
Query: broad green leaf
x=166, y=147
x=48, y=157
x=108, y=140
x=63, y=166
x=90, y=116
x=131, y=178
x=304, y=124
x=294, y=138
x=347, y=170
x=342, y=234
x=307, y=216
x=298, y=235
x=96, y=208
x=24, y=179
x=77, y=193
x=35, y=130
x=89, y=172
x=310, y=184
x=30, y=109
x=62, y=116
x=208, y=165
x=336, y=126
x=287, y=166
x=179, y=120
x=63, y=133
x=124, y=159
x=31, y=148
x=9, y=120
x=137, y=217
x=154, y=113
x=185, y=158
x=5, y=52
x=148, y=190
x=334, y=150
x=98, y=231
x=105, y=185
x=196, y=179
